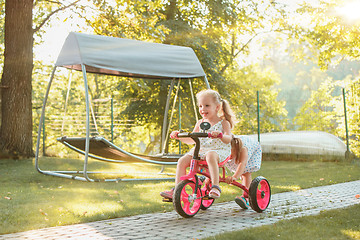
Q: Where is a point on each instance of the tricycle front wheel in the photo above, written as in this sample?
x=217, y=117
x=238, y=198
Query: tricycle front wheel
x=187, y=201
x=259, y=194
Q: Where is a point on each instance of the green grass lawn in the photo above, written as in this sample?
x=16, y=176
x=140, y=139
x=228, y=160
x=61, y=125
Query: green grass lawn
x=332, y=224
x=30, y=200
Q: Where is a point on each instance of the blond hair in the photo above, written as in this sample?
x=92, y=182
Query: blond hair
x=225, y=106
x=236, y=147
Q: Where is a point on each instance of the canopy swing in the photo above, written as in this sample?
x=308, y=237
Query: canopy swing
x=120, y=57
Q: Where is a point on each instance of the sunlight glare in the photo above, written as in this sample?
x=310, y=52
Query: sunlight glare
x=351, y=233
x=287, y=188
x=90, y=209
x=350, y=10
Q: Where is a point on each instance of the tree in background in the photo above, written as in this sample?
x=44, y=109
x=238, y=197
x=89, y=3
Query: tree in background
x=330, y=32
x=16, y=80
x=219, y=32
x=327, y=32
x=2, y=20
x=16, y=106
x=318, y=112
x=299, y=77
x=352, y=94
x=243, y=86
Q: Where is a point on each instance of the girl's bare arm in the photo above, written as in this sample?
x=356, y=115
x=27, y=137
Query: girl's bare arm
x=226, y=132
x=187, y=140
x=243, y=161
x=240, y=168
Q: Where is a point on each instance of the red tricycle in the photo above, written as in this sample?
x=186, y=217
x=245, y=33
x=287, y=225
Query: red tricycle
x=191, y=194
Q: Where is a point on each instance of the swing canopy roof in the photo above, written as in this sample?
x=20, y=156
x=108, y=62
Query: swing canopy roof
x=126, y=57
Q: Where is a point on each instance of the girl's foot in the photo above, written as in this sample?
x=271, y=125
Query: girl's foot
x=245, y=195
x=206, y=181
x=242, y=202
x=215, y=192
x=168, y=194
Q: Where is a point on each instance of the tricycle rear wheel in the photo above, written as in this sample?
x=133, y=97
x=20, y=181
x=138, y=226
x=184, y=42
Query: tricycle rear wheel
x=259, y=194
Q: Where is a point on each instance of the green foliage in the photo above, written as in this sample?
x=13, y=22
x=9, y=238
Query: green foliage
x=243, y=86
x=329, y=36
x=300, y=78
x=324, y=111
x=352, y=96
x=220, y=33
x=318, y=111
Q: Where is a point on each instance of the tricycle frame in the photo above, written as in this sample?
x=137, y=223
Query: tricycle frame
x=187, y=202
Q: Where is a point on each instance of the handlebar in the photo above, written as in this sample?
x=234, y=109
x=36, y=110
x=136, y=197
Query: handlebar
x=197, y=135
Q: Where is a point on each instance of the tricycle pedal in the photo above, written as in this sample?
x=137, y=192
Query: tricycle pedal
x=167, y=200
x=207, y=197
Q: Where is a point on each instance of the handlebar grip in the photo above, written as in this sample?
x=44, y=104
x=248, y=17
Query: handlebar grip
x=183, y=135
x=218, y=136
x=175, y=136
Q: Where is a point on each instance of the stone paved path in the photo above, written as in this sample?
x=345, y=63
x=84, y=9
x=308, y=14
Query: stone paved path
x=229, y=217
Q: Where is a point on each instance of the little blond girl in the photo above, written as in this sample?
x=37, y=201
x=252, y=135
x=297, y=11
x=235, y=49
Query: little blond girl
x=217, y=112
x=245, y=159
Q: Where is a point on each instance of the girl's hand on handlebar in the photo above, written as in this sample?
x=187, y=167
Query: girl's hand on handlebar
x=174, y=134
x=230, y=179
x=216, y=134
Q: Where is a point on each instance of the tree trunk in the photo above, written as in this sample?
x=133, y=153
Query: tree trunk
x=16, y=106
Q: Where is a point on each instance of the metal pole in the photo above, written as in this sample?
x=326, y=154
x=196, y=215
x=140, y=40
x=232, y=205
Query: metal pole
x=44, y=137
x=41, y=121
x=179, y=122
x=166, y=113
x=206, y=82
x=87, y=141
x=93, y=115
x=66, y=103
x=258, y=115
x=193, y=101
x=112, y=120
x=346, y=126
x=171, y=117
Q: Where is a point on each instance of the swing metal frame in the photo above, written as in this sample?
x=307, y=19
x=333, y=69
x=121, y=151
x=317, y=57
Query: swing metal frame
x=162, y=160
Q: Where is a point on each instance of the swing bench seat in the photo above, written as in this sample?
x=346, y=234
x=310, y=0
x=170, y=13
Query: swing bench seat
x=102, y=149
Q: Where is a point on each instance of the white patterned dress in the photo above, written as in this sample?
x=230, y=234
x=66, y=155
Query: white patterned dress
x=213, y=144
x=254, y=155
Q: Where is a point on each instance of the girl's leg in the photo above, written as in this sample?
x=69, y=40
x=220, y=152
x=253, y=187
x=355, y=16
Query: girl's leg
x=246, y=180
x=243, y=201
x=212, y=159
x=183, y=163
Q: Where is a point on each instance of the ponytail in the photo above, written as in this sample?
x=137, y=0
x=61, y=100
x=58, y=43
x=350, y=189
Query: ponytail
x=236, y=147
x=227, y=112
